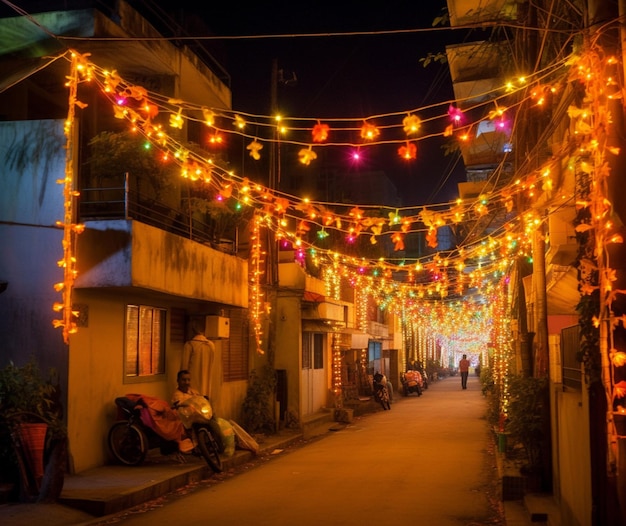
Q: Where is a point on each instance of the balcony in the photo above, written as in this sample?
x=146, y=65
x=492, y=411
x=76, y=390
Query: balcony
x=114, y=203
x=131, y=241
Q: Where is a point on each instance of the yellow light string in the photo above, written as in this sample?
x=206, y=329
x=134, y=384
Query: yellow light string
x=70, y=228
x=255, y=292
x=362, y=299
x=113, y=88
x=598, y=73
x=236, y=122
x=336, y=368
x=143, y=107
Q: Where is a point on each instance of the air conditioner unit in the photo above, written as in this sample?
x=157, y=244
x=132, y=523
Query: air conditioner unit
x=217, y=327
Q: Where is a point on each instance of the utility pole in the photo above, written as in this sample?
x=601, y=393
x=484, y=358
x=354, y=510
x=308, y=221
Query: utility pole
x=274, y=177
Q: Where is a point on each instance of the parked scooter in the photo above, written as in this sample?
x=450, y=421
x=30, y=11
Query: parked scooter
x=412, y=382
x=381, y=393
x=196, y=415
x=147, y=423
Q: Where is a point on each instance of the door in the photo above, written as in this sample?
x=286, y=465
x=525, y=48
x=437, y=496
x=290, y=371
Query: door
x=313, y=372
x=376, y=361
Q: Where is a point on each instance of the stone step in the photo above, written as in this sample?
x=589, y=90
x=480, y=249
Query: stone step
x=317, y=419
x=542, y=509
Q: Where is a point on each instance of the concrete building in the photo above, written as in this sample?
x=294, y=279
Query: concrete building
x=140, y=282
x=585, y=470
x=148, y=269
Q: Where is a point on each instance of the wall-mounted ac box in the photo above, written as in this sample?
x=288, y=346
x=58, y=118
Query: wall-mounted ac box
x=217, y=327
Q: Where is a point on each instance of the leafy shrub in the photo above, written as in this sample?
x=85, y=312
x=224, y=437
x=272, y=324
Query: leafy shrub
x=528, y=403
x=258, y=406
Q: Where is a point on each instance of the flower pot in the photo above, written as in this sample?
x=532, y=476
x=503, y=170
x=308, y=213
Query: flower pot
x=32, y=439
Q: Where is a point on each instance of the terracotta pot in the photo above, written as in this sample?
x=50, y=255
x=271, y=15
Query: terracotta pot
x=32, y=438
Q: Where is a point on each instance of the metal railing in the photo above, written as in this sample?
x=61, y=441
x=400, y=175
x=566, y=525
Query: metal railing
x=118, y=202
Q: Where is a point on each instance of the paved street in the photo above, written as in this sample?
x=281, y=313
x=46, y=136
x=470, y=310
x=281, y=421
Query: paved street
x=428, y=460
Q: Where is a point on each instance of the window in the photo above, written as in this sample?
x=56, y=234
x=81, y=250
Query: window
x=570, y=347
x=235, y=349
x=374, y=357
x=318, y=351
x=145, y=341
x=312, y=350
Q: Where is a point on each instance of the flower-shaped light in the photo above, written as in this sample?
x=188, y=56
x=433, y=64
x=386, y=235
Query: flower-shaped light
x=239, y=122
x=456, y=115
x=176, y=120
x=408, y=152
x=255, y=147
x=320, y=132
x=369, y=132
x=306, y=155
x=208, y=116
x=411, y=124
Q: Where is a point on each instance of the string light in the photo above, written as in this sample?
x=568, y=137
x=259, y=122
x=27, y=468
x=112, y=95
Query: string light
x=478, y=263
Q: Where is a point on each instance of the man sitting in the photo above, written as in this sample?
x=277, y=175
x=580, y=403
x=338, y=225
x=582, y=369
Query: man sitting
x=184, y=391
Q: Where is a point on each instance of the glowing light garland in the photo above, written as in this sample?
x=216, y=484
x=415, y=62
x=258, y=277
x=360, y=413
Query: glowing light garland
x=336, y=369
x=131, y=103
x=479, y=264
x=79, y=67
x=257, y=306
x=500, y=337
x=598, y=74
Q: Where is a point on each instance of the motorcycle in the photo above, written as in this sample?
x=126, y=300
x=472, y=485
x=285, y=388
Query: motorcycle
x=146, y=423
x=412, y=382
x=381, y=393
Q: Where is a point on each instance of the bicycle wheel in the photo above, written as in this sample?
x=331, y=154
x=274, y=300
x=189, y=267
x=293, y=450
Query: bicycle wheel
x=128, y=443
x=208, y=449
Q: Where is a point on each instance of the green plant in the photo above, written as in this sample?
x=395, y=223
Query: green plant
x=223, y=220
x=491, y=392
x=526, y=412
x=258, y=406
x=114, y=154
x=27, y=396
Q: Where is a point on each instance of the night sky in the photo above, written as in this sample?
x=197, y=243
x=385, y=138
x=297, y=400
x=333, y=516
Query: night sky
x=342, y=76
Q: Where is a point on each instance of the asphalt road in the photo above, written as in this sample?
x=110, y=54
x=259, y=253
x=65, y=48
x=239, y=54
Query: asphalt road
x=427, y=461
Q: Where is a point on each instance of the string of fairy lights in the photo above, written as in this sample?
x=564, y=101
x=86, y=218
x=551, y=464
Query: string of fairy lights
x=599, y=74
x=489, y=256
x=406, y=286
x=293, y=218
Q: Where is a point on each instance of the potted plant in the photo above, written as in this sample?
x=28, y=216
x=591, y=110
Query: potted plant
x=30, y=409
x=528, y=403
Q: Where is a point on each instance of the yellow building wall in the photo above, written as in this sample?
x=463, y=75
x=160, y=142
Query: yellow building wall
x=96, y=377
x=288, y=346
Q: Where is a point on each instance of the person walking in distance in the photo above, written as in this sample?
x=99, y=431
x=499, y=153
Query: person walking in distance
x=464, y=370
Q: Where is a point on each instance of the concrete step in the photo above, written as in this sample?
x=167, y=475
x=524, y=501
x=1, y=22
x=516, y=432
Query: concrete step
x=516, y=513
x=542, y=509
x=316, y=420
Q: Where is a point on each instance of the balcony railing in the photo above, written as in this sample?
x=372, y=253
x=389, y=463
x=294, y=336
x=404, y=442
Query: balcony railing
x=101, y=204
